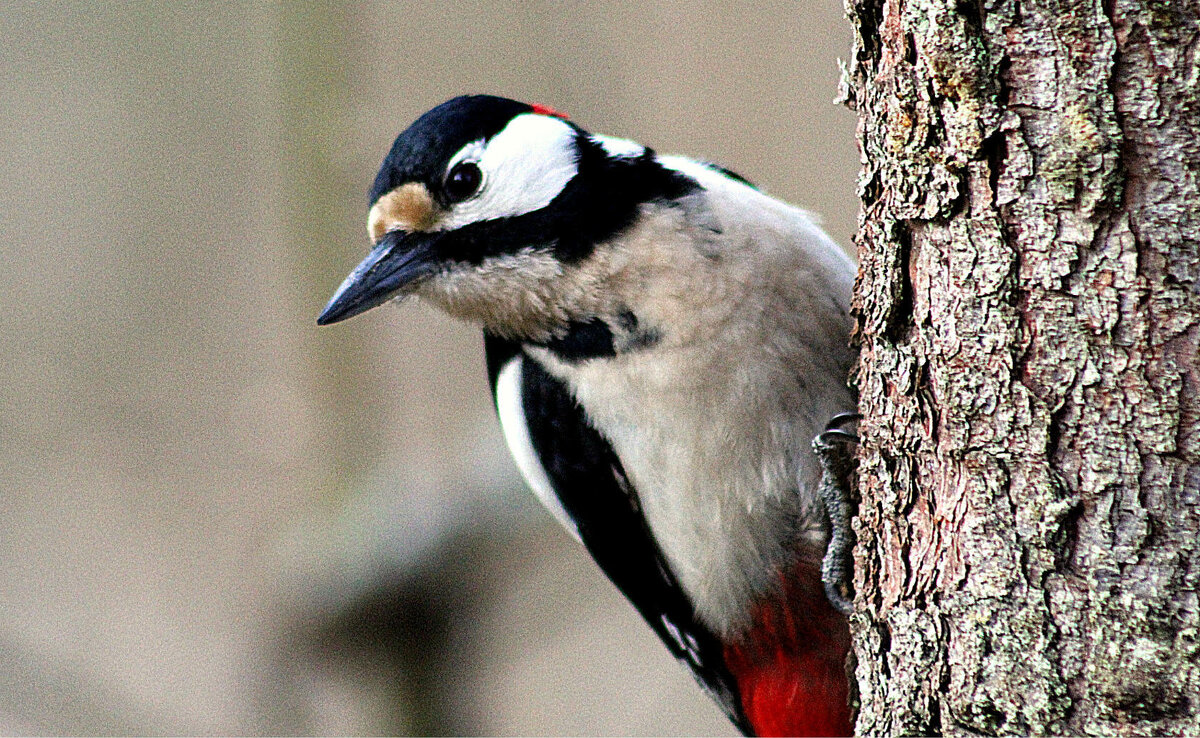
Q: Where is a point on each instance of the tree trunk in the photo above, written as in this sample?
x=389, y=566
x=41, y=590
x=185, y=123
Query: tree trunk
x=1028, y=555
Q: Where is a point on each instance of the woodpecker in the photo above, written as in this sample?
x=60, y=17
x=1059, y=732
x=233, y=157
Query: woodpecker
x=664, y=341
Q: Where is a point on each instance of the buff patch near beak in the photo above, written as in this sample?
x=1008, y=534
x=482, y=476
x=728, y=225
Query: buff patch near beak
x=408, y=208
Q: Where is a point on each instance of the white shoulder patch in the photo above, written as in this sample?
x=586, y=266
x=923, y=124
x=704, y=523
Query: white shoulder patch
x=511, y=406
x=524, y=167
x=694, y=169
x=618, y=146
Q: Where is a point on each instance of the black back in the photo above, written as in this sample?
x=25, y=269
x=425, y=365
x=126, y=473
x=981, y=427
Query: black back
x=591, y=484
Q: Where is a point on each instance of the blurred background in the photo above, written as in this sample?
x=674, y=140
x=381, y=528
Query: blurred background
x=216, y=518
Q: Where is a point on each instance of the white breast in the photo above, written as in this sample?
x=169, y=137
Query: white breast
x=714, y=423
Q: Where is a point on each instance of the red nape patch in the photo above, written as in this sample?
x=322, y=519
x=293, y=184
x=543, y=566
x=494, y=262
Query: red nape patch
x=547, y=110
x=790, y=667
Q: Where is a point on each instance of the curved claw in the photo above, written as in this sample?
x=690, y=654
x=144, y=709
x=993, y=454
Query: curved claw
x=837, y=421
x=829, y=437
x=837, y=495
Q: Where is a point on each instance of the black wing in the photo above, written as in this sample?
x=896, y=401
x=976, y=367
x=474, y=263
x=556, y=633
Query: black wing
x=586, y=476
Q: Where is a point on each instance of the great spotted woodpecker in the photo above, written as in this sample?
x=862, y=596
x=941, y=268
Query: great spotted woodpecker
x=664, y=341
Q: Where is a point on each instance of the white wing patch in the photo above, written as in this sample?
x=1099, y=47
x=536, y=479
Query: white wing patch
x=511, y=407
x=524, y=167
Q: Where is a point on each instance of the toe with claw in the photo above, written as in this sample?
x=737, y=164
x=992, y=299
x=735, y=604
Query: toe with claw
x=834, y=447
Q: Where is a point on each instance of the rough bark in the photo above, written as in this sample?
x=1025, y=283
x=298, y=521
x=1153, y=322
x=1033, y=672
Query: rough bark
x=1028, y=554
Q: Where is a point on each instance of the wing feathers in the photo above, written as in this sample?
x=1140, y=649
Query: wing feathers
x=511, y=409
x=576, y=473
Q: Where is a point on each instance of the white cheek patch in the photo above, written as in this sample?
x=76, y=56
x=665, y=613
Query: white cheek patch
x=524, y=167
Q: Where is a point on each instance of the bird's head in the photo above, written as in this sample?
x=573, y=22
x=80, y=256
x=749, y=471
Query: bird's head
x=496, y=210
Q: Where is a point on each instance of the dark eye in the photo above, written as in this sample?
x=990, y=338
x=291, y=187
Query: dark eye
x=463, y=181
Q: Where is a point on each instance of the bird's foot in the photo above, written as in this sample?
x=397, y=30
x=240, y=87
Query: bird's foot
x=834, y=447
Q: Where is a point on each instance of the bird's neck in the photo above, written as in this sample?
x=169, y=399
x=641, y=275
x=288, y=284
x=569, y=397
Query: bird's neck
x=532, y=295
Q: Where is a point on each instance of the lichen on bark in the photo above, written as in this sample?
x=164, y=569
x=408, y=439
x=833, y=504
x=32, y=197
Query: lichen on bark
x=1028, y=314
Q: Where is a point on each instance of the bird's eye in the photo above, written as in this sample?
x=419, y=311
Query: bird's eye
x=463, y=181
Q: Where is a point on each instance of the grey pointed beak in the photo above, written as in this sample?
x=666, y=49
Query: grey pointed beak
x=398, y=261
